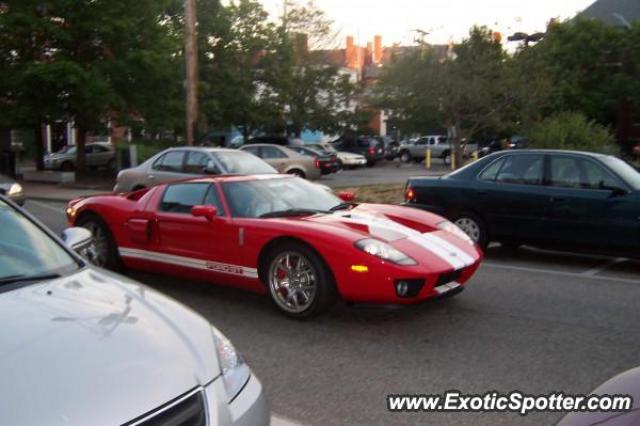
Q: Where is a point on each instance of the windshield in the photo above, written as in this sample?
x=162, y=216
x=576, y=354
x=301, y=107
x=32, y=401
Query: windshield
x=25, y=250
x=255, y=198
x=67, y=150
x=624, y=170
x=240, y=162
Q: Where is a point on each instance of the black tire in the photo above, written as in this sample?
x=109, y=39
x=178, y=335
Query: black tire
x=474, y=226
x=109, y=257
x=325, y=293
x=67, y=166
x=446, y=158
x=371, y=163
x=297, y=172
x=405, y=156
x=111, y=165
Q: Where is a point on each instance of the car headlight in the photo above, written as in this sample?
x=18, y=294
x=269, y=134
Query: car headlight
x=455, y=230
x=384, y=251
x=235, y=372
x=15, y=189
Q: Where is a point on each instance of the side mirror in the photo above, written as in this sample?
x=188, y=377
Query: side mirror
x=208, y=212
x=347, y=196
x=79, y=240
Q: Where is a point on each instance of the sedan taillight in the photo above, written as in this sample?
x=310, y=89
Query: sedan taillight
x=317, y=163
x=372, y=151
x=410, y=195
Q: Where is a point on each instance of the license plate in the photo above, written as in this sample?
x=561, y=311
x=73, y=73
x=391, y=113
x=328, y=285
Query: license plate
x=447, y=287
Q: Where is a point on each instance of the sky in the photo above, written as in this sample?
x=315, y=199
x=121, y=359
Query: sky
x=444, y=19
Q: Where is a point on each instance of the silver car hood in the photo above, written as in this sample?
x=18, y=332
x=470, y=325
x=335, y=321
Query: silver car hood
x=95, y=348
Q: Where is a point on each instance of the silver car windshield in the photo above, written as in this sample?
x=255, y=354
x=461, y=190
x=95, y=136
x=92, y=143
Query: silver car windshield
x=256, y=198
x=26, y=251
x=242, y=163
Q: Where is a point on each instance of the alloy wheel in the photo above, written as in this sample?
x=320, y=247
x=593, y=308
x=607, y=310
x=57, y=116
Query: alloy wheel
x=470, y=227
x=293, y=282
x=100, y=244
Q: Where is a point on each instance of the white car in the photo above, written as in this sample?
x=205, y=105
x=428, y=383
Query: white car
x=83, y=346
x=350, y=160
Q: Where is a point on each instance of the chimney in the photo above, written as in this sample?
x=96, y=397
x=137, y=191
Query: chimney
x=350, y=55
x=377, y=49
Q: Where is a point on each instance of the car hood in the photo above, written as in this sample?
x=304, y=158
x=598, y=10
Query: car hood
x=96, y=348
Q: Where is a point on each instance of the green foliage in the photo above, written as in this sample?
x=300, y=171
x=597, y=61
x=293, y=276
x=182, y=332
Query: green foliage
x=593, y=67
x=570, y=130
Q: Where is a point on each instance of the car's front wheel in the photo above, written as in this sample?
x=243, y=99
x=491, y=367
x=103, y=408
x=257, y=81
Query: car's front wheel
x=405, y=157
x=300, y=284
x=104, y=250
x=474, y=227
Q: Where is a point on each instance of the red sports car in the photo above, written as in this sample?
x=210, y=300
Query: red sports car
x=281, y=235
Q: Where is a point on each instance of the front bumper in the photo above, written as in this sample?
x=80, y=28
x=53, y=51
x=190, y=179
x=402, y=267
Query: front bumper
x=249, y=408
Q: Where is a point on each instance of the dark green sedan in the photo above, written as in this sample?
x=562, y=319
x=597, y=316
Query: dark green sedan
x=543, y=198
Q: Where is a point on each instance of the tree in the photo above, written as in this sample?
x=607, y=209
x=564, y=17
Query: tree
x=86, y=61
x=474, y=88
x=593, y=67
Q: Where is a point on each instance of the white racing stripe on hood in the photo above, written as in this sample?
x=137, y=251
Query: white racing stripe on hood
x=383, y=227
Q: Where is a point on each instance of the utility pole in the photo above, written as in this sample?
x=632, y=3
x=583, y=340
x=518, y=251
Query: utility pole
x=191, y=62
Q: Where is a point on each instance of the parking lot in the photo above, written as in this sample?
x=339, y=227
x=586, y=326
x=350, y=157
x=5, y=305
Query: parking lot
x=533, y=321
x=384, y=172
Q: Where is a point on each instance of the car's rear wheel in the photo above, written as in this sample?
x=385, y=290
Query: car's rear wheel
x=446, y=158
x=474, y=227
x=67, y=166
x=297, y=172
x=105, y=250
x=300, y=284
x=111, y=165
x=405, y=157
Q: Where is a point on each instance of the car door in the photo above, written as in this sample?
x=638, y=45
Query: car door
x=585, y=208
x=204, y=248
x=168, y=167
x=511, y=197
x=101, y=155
x=419, y=148
x=275, y=157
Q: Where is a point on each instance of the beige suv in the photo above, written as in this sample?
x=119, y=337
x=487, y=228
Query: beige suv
x=285, y=160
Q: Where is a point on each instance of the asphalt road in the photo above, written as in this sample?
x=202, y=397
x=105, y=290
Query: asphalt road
x=532, y=321
x=384, y=172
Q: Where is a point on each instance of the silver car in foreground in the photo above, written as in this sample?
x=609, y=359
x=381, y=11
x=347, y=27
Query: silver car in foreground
x=183, y=163
x=95, y=155
x=83, y=346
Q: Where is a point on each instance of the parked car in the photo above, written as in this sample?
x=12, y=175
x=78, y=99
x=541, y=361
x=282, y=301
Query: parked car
x=489, y=146
x=517, y=142
x=369, y=147
x=83, y=346
x=543, y=198
x=11, y=189
x=625, y=384
x=183, y=163
x=439, y=145
x=275, y=140
x=391, y=147
x=281, y=235
x=346, y=160
x=285, y=160
x=96, y=155
x=328, y=162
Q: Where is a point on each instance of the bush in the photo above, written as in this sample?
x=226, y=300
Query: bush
x=571, y=130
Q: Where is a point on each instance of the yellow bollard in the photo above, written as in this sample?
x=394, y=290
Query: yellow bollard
x=476, y=155
x=427, y=159
x=453, y=161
